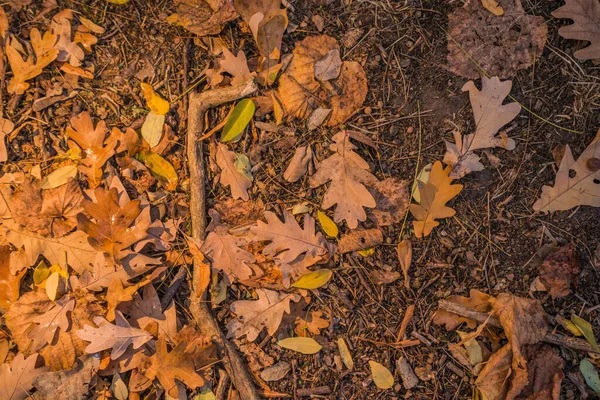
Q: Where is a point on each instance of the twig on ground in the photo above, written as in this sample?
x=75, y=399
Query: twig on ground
x=175, y=284
x=199, y=103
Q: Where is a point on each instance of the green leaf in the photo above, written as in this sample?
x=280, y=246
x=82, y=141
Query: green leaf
x=329, y=227
x=153, y=128
x=304, y=345
x=160, y=168
x=242, y=165
x=238, y=120
x=313, y=280
x=590, y=374
x=59, y=177
x=585, y=328
x=382, y=376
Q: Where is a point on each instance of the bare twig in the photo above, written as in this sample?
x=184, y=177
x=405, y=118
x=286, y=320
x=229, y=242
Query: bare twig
x=199, y=103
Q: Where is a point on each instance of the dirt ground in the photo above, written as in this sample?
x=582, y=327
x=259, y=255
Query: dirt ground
x=413, y=102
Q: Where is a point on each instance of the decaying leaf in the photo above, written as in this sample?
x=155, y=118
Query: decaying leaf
x=298, y=164
x=6, y=127
x=9, y=282
x=404, y=251
x=586, y=26
x=301, y=93
x=381, y=277
x=391, y=201
x=203, y=17
x=17, y=377
x=492, y=381
x=238, y=182
x=253, y=316
x=434, y=196
x=360, y=240
x=348, y=174
x=490, y=115
x=345, y=354
x=559, y=269
x=477, y=300
x=276, y=372
x=500, y=45
x=74, y=383
x=68, y=50
x=576, y=181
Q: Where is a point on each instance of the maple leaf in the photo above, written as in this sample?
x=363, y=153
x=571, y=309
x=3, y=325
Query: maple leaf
x=112, y=232
x=253, y=316
x=576, y=181
x=17, y=378
x=23, y=71
x=490, y=115
x=95, y=149
x=68, y=50
x=116, y=337
x=225, y=252
x=434, y=196
x=586, y=26
x=348, y=174
x=181, y=364
x=288, y=240
x=231, y=176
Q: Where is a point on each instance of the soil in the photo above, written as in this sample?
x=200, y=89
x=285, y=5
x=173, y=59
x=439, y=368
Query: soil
x=413, y=103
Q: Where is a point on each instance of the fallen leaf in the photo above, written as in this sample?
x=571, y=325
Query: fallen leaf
x=575, y=183
x=422, y=179
x=585, y=15
x=152, y=129
x=155, y=102
x=68, y=51
x=119, y=388
x=203, y=17
x=253, y=316
x=74, y=383
x=59, y=177
x=304, y=345
x=146, y=310
x=493, y=380
x=312, y=323
x=116, y=338
x=6, y=127
x=490, y=115
x=590, y=375
x=230, y=175
x=545, y=374
x=313, y=280
x=404, y=251
x=360, y=240
x=434, y=196
x=301, y=93
x=585, y=328
x=160, y=168
x=479, y=40
x=9, y=282
x=559, y=270
x=493, y=7
x=299, y=164
x=345, y=354
x=382, y=377
x=391, y=201
x=236, y=66
x=57, y=317
x=328, y=67
x=327, y=224
x=17, y=377
x=317, y=117
x=238, y=120
x=275, y=372
x=477, y=300
x=380, y=277
x=348, y=174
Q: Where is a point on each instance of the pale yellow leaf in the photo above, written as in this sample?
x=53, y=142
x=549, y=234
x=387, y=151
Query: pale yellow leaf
x=345, y=353
x=52, y=285
x=382, y=377
x=153, y=128
x=304, y=345
x=59, y=177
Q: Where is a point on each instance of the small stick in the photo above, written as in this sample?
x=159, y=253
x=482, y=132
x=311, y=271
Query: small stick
x=552, y=338
x=175, y=283
x=422, y=338
x=222, y=386
x=312, y=391
x=410, y=311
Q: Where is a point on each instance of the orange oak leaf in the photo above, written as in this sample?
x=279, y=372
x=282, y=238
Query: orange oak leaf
x=17, y=378
x=477, y=300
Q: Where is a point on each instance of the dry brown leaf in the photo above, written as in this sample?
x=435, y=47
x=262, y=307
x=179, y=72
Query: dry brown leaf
x=9, y=282
x=225, y=252
x=292, y=271
x=23, y=71
x=6, y=127
x=493, y=380
x=312, y=323
x=500, y=45
x=116, y=294
x=92, y=140
x=580, y=189
x=236, y=212
x=381, y=277
x=301, y=93
x=434, y=196
x=586, y=26
x=50, y=321
x=114, y=229
x=490, y=115
x=238, y=182
x=181, y=364
x=298, y=164
x=74, y=383
x=477, y=300
x=328, y=67
x=147, y=311
x=20, y=316
x=203, y=17
x=254, y=315
x=287, y=240
x=360, y=240
x=404, y=251
x=236, y=66
x=17, y=378
x=116, y=338
x=391, y=201
x=69, y=51
x=545, y=374
x=559, y=270
x=493, y=7
x=348, y=174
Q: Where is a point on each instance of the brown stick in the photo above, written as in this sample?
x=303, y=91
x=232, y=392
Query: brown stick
x=199, y=103
x=552, y=338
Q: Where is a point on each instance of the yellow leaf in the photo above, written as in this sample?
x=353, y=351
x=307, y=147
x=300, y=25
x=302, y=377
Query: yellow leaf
x=119, y=2
x=159, y=167
x=40, y=274
x=313, y=280
x=304, y=345
x=367, y=252
x=238, y=120
x=585, y=328
x=493, y=7
x=157, y=104
x=153, y=128
x=327, y=224
x=382, y=376
x=59, y=177
x=434, y=196
x=422, y=179
x=52, y=285
x=345, y=354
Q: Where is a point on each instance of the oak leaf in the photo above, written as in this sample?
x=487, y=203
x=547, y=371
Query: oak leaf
x=586, y=26
x=74, y=383
x=146, y=310
x=287, y=239
x=434, y=196
x=17, y=378
x=203, y=17
x=50, y=321
x=96, y=149
x=68, y=50
x=577, y=182
x=238, y=182
x=490, y=115
x=312, y=323
x=253, y=316
x=348, y=174
x=117, y=337
x=477, y=300
x=45, y=53
x=480, y=41
x=301, y=93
